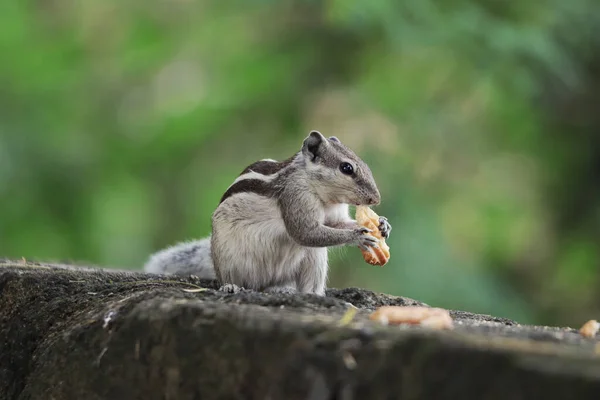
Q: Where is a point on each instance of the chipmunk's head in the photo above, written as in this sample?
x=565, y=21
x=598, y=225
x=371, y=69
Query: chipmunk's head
x=338, y=175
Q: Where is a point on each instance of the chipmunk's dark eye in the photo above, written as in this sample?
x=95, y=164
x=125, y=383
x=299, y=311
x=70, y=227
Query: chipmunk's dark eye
x=346, y=168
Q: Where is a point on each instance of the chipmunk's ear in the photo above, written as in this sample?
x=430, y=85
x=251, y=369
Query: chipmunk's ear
x=313, y=144
x=334, y=139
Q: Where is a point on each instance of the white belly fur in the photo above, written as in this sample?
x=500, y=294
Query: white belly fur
x=251, y=246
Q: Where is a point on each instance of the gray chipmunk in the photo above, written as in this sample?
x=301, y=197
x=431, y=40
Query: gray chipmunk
x=273, y=225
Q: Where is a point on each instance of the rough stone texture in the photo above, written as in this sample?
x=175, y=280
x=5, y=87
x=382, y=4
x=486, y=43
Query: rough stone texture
x=81, y=333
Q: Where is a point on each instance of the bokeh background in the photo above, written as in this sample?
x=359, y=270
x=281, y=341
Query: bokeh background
x=122, y=122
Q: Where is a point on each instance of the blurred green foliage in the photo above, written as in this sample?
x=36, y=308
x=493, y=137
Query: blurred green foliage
x=122, y=122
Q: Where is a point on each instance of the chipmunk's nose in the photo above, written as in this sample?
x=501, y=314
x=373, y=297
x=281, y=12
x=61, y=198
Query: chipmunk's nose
x=374, y=200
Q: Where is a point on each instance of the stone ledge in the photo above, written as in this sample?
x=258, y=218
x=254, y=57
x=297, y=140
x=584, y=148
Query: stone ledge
x=69, y=332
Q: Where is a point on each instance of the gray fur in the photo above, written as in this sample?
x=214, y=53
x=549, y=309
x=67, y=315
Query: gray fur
x=275, y=222
x=185, y=258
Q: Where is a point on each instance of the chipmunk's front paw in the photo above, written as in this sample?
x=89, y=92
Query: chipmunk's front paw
x=384, y=227
x=364, y=240
x=230, y=288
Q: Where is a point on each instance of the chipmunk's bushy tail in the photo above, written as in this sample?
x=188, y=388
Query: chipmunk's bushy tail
x=185, y=258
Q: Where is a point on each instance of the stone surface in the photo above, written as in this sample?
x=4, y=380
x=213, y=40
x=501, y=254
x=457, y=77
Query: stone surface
x=70, y=332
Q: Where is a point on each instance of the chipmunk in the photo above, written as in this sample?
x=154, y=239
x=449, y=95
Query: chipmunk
x=273, y=225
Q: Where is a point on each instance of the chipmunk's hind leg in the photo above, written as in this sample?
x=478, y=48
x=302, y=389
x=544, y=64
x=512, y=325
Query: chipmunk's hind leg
x=312, y=274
